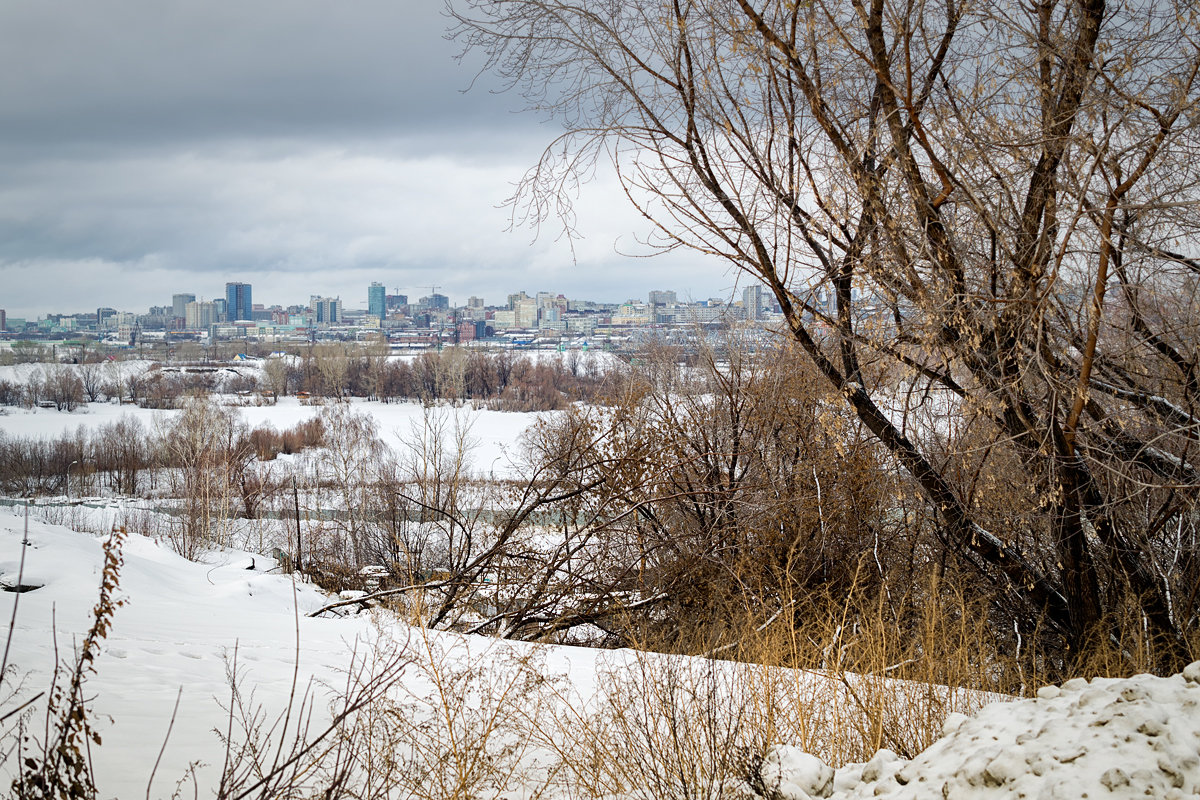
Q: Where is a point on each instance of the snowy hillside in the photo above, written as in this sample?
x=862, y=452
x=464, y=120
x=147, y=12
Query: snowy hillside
x=183, y=624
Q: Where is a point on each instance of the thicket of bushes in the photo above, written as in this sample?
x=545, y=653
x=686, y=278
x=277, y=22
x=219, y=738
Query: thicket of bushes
x=120, y=456
x=707, y=489
x=724, y=506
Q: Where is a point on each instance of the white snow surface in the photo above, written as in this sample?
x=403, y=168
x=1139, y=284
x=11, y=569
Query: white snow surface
x=1128, y=738
x=176, y=634
x=182, y=621
x=1105, y=738
x=494, y=435
x=179, y=624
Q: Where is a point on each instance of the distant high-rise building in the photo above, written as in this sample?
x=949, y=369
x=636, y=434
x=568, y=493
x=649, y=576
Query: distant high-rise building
x=103, y=315
x=238, y=304
x=221, y=307
x=3, y=320
x=198, y=316
x=325, y=310
x=827, y=300
x=397, y=300
x=527, y=313
x=752, y=301
x=663, y=298
x=474, y=302
x=179, y=304
x=377, y=300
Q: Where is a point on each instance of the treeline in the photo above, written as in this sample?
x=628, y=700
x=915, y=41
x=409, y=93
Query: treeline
x=67, y=387
x=503, y=380
x=124, y=457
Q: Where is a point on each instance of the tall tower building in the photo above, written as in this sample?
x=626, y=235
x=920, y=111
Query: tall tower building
x=752, y=300
x=377, y=300
x=199, y=316
x=527, y=313
x=325, y=310
x=179, y=304
x=238, y=304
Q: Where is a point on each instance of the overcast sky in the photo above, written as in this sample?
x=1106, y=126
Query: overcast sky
x=149, y=147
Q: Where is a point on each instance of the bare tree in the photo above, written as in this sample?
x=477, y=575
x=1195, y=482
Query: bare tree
x=276, y=370
x=63, y=388
x=375, y=356
x=92, y=377
x=356, y=455
x=993, y=202
x=333, y=365
x=207, y=451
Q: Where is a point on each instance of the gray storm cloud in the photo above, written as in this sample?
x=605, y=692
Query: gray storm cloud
x=156, y=146
x=131, y=72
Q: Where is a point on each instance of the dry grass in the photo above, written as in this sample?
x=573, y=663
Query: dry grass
x=439, y=717
x=842, y=678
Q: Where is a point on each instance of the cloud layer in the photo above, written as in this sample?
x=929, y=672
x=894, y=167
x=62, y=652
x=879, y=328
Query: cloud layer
x=160, y=146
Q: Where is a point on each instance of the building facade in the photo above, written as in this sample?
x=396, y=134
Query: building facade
x=238, y=304
x=752, y=301
x=179, y=304
x=200, y=316
x=326, y=310
x=377, y=300
x=526, y=313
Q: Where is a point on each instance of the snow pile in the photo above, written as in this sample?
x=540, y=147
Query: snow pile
x=1132, y=738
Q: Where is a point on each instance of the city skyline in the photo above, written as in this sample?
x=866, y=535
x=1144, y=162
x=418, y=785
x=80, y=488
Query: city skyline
x=151, y=150
x=351, y=300
x=236, y=316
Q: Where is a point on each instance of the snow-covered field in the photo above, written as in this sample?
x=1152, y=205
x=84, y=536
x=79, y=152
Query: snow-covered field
x=494, y=435
x=182, y=622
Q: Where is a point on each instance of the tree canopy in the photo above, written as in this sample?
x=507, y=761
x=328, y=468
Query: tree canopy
x=988, y=203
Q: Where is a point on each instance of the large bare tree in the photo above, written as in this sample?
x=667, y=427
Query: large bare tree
x=991, y=202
